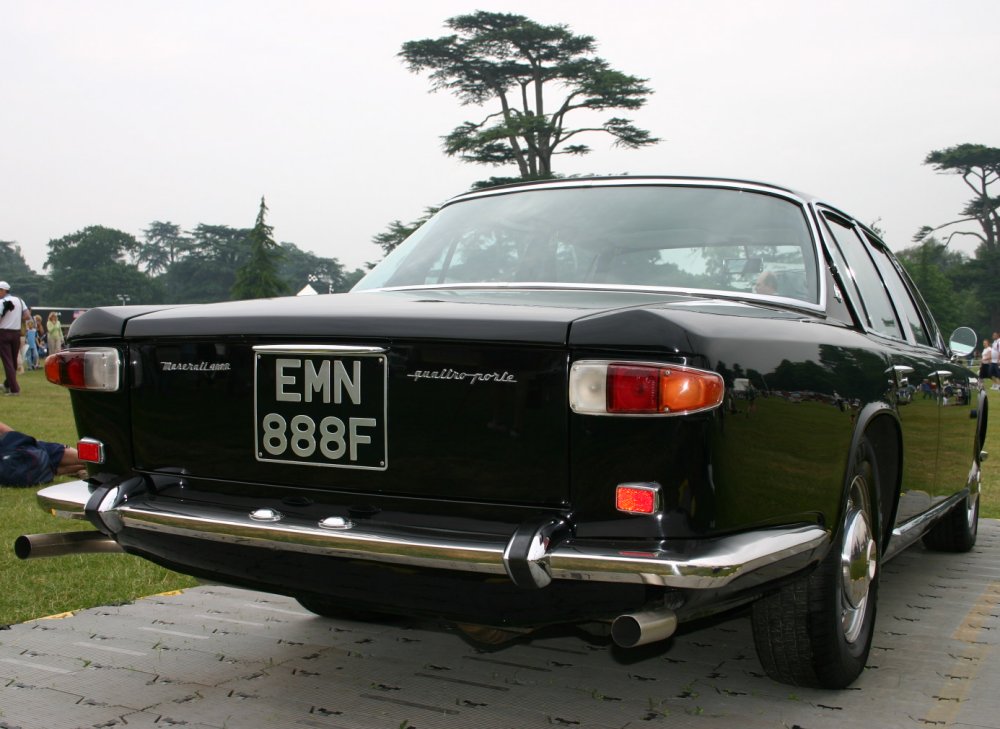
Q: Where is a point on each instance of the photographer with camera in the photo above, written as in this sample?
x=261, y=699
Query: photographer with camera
x=13, y=311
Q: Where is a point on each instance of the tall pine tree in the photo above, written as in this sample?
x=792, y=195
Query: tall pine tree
x=258, y=277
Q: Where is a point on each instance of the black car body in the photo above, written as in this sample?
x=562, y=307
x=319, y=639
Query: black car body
x=624, y=402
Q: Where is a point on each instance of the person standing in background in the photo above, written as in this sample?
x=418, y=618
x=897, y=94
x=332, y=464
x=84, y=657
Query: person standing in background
x=13, y=313
x=55, y=333
x=31, y=348
x=23, y=349
x=986, y=364
x=995, y=366
x=42, y=339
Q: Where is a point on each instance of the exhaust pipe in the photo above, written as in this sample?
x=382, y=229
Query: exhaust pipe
x=57, y=544
x=648, y=626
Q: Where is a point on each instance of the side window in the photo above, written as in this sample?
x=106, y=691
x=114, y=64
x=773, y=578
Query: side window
x=881, y=315
x=851, y=296
x=900, y=293
x=932, y=329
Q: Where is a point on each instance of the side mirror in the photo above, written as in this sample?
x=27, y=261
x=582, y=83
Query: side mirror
x=963, y=341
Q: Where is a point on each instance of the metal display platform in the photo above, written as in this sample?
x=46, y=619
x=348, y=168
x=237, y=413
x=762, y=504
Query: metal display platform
x=214, y=657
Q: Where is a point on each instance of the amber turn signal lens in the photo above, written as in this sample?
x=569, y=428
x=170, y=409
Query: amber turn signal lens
x=683, y=390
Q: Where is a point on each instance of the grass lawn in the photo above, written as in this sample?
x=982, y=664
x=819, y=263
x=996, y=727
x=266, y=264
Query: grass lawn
x=39, y=587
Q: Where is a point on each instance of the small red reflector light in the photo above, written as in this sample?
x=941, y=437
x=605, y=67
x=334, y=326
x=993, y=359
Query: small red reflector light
x=637, y=499
x=90, y=450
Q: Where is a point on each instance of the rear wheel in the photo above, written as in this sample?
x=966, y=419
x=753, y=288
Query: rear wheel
x=817, y=630
x=958, y=529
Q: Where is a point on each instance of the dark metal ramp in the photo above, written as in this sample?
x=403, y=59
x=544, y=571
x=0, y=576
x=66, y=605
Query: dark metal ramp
x=216, y=657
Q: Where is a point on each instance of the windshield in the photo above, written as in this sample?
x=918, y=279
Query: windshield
x=652, y=236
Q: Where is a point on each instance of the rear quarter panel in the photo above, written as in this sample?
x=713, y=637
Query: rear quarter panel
x=774, y=453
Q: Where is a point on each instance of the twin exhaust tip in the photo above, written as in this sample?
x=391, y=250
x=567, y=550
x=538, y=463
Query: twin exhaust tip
x=57, y=544
x=649, y=626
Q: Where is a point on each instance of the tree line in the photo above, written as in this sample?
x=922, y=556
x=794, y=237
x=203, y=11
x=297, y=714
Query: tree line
x=100, y=266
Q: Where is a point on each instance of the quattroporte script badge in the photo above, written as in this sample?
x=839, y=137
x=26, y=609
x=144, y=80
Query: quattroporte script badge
x=471, y=377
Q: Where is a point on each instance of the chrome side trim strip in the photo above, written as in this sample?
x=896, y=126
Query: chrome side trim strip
x=701, y=564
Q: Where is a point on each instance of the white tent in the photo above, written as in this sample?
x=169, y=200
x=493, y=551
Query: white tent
x=307, y=290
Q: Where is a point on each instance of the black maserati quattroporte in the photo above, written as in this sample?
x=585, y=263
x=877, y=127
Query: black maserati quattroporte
x=623, y=403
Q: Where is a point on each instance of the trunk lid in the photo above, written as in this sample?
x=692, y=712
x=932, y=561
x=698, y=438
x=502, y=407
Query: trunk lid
x=401, y=393
x=431, y=394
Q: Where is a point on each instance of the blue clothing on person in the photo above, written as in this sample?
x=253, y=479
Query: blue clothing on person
x=25, y=461
x=31, y=355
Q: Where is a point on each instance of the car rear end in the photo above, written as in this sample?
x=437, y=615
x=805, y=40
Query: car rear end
x=492, y=429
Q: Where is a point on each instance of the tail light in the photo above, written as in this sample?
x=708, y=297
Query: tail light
x=96, y=368
x=598, y=387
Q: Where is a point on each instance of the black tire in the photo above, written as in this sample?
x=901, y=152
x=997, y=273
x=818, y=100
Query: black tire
x=958, y=529
x=817, y=630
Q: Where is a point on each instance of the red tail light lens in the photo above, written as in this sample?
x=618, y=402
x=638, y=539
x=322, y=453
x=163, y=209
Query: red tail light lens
x=633, y=389
x=96, y=368
x=639, y=388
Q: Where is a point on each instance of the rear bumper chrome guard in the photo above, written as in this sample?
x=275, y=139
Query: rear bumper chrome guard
x=531, y=560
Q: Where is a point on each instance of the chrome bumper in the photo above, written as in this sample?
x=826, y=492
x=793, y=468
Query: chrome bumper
x=531, y=557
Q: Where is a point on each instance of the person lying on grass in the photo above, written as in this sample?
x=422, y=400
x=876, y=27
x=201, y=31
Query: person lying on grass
x=25, y=461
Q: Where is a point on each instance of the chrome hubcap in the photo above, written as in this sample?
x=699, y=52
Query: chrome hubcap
x=972, y=501
x=971, y=510
x=858, y=560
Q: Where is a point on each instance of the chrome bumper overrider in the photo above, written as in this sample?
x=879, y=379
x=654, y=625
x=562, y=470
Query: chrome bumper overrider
x=530, y=558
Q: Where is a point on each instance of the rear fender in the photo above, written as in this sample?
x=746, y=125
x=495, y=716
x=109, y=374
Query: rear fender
x=879, y=423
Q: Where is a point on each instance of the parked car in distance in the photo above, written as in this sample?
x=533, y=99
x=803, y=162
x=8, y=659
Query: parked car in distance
x=623, y=403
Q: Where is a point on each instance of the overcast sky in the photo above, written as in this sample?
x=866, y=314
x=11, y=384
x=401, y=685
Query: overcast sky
x=122, y=113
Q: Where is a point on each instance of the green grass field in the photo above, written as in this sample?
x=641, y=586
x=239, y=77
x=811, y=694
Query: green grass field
x=40, y=587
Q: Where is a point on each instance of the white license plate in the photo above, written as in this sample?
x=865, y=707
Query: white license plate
x=320, y=406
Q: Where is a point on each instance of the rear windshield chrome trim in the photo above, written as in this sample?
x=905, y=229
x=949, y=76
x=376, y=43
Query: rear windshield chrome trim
x=706, y=294
x=636, y=181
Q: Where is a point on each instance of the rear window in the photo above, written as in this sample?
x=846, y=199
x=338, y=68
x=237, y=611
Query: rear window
x=713, y=239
